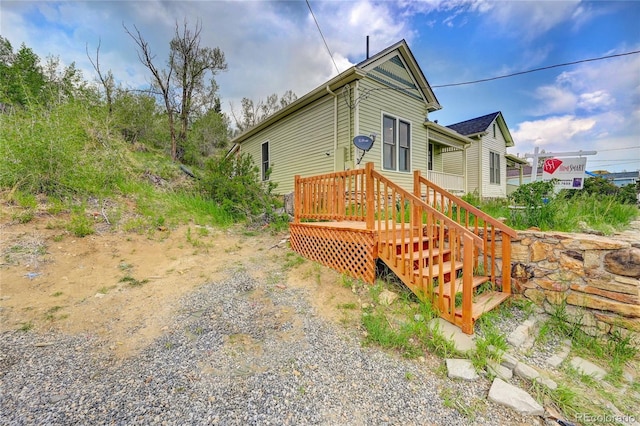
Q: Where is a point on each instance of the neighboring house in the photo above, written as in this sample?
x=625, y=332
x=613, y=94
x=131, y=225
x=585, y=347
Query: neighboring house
x=620, y=179
x=386, y=95
x=515, y=171
x=486, y=158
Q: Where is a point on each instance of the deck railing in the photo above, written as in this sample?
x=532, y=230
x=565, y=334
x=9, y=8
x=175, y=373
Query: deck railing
x=333, y=196
x=481, y=224
x=402, y=221
x=447, y=180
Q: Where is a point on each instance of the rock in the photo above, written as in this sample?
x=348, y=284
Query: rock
x=461, y=342
x=603, y=304
x=625, y=262
x=613, y=295
x=461, y=369
x=515, y=398
x=588, y=368
x=526, y=372
x=518, y=336
x=499, y=370
x=387, y=297
x=509, y=361
x=547, y=382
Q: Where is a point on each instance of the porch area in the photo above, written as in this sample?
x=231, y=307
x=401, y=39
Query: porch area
x=446, y=251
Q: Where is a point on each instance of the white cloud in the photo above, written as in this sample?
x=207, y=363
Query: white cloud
x=557, y=130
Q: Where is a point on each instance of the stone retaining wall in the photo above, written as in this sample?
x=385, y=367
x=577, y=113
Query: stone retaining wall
x=595, y=278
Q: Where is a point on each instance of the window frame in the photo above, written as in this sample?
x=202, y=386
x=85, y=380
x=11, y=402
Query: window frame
x=494, y=168
x=265, y=170
x=394, y=148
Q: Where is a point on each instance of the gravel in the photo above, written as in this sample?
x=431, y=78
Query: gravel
x=240, y=351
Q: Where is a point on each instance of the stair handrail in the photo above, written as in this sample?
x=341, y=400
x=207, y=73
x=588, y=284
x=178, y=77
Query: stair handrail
x=440, y=215
x=467, y=206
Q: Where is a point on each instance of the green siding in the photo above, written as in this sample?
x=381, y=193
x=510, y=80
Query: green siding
x=297, y=144
x=396, y=104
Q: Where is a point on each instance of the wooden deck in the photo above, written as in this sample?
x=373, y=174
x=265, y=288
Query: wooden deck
x=436, y=243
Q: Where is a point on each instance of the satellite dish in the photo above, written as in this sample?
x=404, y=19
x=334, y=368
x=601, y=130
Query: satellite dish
x=364, y=143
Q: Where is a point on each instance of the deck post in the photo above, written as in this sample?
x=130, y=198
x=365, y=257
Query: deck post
x=369, y=196
x=416, y=216
x=297, y=200
x=506, y=263
x=467, y=286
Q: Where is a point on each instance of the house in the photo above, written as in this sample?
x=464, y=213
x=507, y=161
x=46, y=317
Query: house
x=486, y=158
x=386, y=97
x=620, y=179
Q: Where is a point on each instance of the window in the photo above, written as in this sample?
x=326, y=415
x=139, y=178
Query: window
x=396, y=142
x=494, y=130
x=494, y=167
x=265, y=161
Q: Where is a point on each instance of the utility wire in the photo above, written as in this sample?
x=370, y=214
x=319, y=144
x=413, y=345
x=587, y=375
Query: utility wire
x=536, y=69
x=322, y=35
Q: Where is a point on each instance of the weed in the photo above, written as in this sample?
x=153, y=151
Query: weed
x=58, y=238
x=24, y=216
x=123, y=266
x=57, y=294
x=292, y=259
x=26, y=326
x=347, y=306
x=132, y=281
x=49, y=315
x=409, y=376
x=80, y=225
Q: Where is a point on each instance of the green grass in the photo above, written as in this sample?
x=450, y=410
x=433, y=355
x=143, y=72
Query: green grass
x=133, y=282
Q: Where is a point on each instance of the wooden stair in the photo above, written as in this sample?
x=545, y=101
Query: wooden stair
x=434, y=241
x=436, y=262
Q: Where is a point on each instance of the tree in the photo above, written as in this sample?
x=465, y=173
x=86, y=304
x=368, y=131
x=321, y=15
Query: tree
x=107, y=80
x=252, y=113
x=21, y=77
x=182, y=84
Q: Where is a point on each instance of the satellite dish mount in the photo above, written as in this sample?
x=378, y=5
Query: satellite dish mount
x=364, y=143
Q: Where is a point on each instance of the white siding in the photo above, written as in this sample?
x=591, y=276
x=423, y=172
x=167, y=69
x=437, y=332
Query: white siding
x=496, y=144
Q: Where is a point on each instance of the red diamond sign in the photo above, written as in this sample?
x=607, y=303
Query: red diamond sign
x=551, y=165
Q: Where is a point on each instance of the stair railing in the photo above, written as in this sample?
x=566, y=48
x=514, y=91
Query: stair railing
x=495, y=234
x=403, y=222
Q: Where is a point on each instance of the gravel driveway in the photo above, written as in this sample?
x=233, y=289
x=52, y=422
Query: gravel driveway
x=240, y=351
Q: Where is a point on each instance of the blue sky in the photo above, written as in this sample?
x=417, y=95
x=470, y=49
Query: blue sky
x=274, y=46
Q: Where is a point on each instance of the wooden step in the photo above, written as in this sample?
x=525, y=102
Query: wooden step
x=425, y=254
x=408, y=240
x=446, y=269
x=484, y=303
x=446, y=291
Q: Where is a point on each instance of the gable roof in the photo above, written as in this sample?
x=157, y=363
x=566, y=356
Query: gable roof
x=401, y=52
x=479, y=126
x=356, y=72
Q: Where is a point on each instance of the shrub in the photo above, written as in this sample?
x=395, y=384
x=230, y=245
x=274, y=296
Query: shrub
x=58, y=151
x=234, y=184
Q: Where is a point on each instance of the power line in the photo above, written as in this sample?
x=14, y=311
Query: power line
x=322, y=35
x=536, y=69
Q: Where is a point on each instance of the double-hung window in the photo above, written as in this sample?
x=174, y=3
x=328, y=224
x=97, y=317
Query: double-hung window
x=396, y=142
x=265, y=161
x=494, y=167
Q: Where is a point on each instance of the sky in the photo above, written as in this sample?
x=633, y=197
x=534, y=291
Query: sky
x=275, y=46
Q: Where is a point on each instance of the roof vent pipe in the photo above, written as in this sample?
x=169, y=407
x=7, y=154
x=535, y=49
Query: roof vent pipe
x=367, y=47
